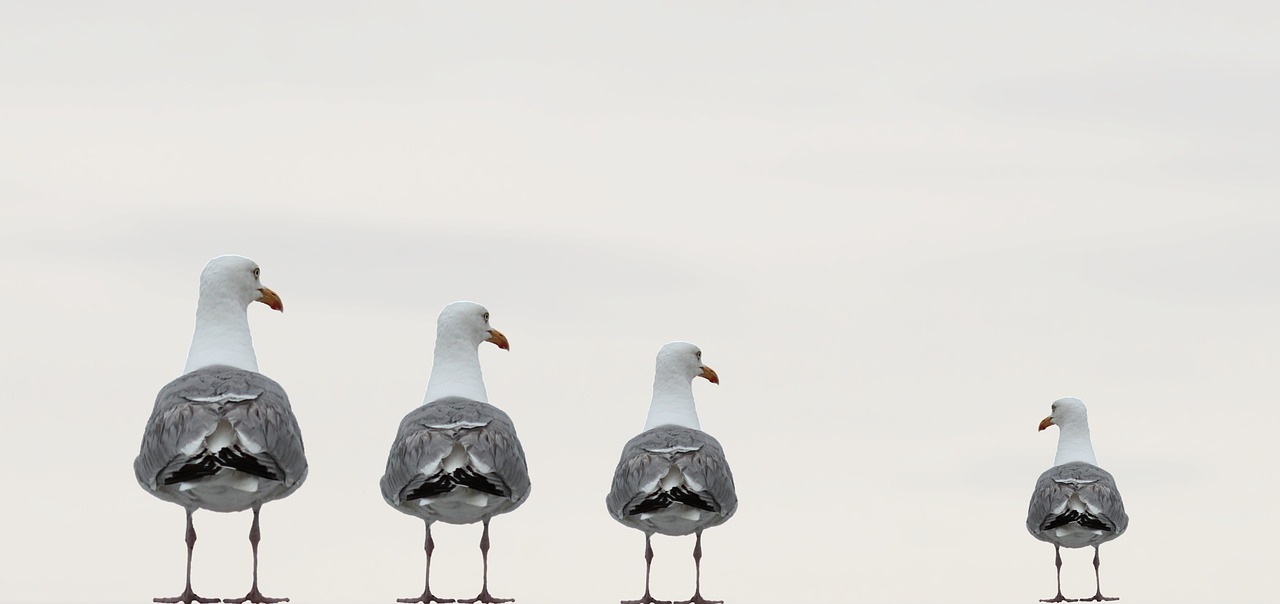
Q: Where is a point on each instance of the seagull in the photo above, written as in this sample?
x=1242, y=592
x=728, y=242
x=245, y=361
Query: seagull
x=456, y=459
x=222, y=436
x=673, y=478
x=1075, y=503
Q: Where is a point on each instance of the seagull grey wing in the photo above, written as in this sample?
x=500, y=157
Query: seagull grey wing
x=416, y=449
x=1095, y=488
x=270, y=434
x=175, y=431
x=496, y=449
x=1103, y=499
x=637, y=475
x=708, y=473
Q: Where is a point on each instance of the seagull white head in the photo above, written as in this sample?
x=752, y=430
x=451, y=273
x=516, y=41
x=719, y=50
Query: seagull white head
x=672, y=403
x=237, y=278
x=1066, y=412
x=1072, y=420
x=228, y=285
x=684, y=360
x=468, y=322
x=455, y=371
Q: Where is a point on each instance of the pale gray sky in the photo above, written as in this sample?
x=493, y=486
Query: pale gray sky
x=898, y=232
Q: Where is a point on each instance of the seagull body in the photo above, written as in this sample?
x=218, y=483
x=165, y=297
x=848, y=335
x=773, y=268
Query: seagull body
x=222, y=437
x=450, y=464
x=457, y=459
x=1075, y=503
x=673, y=478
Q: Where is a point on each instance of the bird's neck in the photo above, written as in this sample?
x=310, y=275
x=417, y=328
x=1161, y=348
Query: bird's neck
x=221, y=336
x=456, y=371
x=672, y=403
x=1074, y=445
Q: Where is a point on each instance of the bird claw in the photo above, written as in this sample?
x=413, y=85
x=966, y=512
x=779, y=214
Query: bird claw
x=255, y=597
x=426, y=598
x=647, y=599
x=698, y=599
x=187, y=597
x=1098, y=597
x=485, y=598
x=1059, y=598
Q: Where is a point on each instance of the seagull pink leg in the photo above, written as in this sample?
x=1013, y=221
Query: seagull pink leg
x=188, y=596
x=697, y=585
x=484, y=597
x=648, y=567
x=254, y=595
x=1057, y=558
x=1097, y=596
x=427, y=597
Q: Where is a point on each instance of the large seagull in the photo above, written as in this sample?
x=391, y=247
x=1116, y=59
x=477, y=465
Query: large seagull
x=222, y=436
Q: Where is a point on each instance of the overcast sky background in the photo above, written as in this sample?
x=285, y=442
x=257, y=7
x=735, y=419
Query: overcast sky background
x=898, y=232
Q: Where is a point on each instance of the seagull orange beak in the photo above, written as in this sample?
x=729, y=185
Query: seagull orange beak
x=1046, y=422
x=500, y=340
x=710, y=374
x=270, y=299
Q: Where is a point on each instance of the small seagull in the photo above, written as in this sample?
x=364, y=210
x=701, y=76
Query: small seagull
x=673, y=478
x=1076, y=503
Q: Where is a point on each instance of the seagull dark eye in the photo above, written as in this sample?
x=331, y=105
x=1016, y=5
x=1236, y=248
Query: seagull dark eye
x=256, y=272
x=486, y=316
x=698, y=353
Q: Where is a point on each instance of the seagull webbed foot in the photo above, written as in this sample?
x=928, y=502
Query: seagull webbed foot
x=485, y=598
x=255, y=597
x=647, y=599
x=187, y=597
x=698, y=599
x=1059, y=598
x=1098, y=597
x=426, y=598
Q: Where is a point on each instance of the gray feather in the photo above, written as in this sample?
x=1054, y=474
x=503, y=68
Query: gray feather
x=1095, y=487
x=423, y=439
x=190, y=407
x=648, y=457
